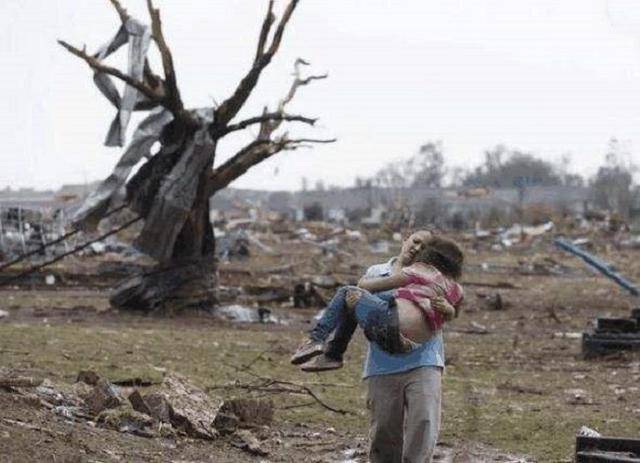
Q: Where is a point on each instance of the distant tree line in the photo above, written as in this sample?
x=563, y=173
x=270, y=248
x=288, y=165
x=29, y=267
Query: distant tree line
x=613, y=185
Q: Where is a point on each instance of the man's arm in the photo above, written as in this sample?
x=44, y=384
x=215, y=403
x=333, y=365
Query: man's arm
x=383, y=283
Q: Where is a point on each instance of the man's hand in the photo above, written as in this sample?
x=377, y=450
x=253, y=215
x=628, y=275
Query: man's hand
x=352, y=297
x=440, y=304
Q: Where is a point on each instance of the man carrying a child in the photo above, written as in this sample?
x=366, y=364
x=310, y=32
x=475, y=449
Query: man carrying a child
x=403, y=391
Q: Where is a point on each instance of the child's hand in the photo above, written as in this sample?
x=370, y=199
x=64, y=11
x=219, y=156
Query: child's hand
x=352, y=297
x=441, y=305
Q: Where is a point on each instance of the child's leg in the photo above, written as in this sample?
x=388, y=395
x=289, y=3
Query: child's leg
x=379, y=320
x=334, y=314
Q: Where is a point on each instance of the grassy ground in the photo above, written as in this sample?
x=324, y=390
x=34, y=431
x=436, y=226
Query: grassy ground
x=522, y=387
x=516, y=399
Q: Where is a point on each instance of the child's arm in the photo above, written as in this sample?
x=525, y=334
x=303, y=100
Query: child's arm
x=374, y=285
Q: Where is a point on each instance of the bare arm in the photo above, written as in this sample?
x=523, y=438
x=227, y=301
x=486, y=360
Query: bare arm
x=383, y=283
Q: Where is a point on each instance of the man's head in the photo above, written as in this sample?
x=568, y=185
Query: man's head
x=412, y=245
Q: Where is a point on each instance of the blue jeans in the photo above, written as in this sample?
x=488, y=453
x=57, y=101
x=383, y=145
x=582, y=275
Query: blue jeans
x=375, y=313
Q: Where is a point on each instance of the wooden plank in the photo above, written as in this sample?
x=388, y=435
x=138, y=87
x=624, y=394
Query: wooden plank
x=599, y=457
x=616, y=325
x=600, y=344
x=608, y=444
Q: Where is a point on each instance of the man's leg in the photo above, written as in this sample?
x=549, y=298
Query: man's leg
x=422, y=394
x=385, y=402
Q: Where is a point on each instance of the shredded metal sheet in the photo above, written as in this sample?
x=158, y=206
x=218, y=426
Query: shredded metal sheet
x=147, y=133
x=174, y=199
x=138, y=36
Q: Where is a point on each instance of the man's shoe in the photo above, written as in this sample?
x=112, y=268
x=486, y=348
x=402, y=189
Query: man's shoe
x=307, y=351
x=321, y=363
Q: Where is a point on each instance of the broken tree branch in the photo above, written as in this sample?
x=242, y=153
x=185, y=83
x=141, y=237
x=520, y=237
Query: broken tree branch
x=150, y=78
x=252, y=154
x=269, y=117
x=264, y=31
x=124, y=16
x=264, y=146
x=277, y=37
x=97, y=66
x=276, y=386
x=230, y=107
x=173, y=94
x=299, y=82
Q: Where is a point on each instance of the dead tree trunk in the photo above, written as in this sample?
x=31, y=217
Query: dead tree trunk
x=172, y=188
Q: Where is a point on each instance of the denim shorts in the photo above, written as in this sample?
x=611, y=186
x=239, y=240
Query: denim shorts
x=377, y=314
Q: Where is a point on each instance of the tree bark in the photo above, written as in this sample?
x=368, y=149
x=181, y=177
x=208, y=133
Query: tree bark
x=188, y=279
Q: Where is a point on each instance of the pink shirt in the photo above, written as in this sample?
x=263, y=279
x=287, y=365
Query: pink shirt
x=425, y=283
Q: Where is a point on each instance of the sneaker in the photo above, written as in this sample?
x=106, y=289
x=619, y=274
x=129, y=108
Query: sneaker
x=321, y=363
x=307, y=351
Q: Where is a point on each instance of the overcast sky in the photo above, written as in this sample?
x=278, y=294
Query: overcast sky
x=547, y=76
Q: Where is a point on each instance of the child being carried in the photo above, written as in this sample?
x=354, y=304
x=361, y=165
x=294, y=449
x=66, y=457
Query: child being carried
x=407, y=308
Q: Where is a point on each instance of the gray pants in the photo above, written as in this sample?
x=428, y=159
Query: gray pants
x=404, y=410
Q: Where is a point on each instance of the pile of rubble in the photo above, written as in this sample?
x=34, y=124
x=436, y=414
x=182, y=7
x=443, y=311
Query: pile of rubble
x=174, y=408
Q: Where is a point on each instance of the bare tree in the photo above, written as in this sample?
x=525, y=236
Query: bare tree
x=171, y=190
x=613, y=183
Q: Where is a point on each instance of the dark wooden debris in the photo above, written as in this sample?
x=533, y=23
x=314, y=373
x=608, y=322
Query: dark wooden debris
x=616, y=325
x=607, y=449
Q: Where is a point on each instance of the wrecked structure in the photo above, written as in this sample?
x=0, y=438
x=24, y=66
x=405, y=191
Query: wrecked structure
x=445, y=207
x=171, y=190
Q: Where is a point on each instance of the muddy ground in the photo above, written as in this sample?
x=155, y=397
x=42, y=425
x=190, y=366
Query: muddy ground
x=515, y=389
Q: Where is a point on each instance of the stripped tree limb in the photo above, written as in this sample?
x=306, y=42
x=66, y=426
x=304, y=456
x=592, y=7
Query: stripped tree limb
x=124, y=16
x=269, y=385
x=264, y=147
x=97, y=66
x=172, y=92
x=252, y=154
x=230, y=107
x=268, y=117
x=299, y=82
x=264, y=31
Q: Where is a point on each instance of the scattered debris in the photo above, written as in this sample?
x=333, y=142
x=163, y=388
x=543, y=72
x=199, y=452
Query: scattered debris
x=510, y=387
x=603, y=267
x=126, y=419
x=192, y=410
x=103, y=396
x=578, y=397
x=474, y=328
x=9, y=380
x=243, y=314
x=248, y=411
x=588, y=432
x=245, y=440
x=88, y=377
x=494, y=302
x=306, y=295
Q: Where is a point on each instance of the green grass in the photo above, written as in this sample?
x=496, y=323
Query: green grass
x=475, y=409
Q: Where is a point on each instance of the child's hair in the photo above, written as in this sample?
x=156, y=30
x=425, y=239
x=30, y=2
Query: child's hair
x=443, y=254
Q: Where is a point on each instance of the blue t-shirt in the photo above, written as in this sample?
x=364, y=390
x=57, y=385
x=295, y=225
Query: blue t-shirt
x=379, y=362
